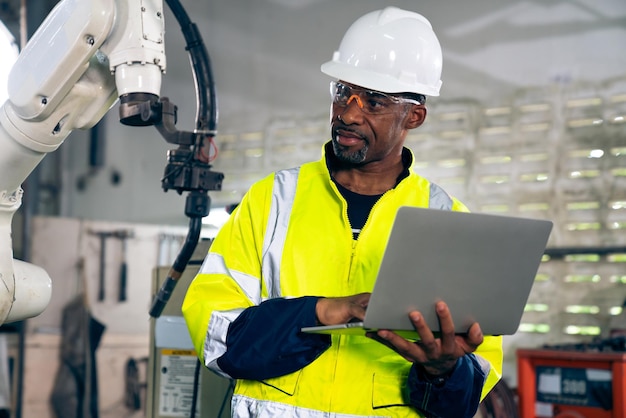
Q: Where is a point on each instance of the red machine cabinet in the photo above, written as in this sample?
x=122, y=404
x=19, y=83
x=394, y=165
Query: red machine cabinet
x=568, y=397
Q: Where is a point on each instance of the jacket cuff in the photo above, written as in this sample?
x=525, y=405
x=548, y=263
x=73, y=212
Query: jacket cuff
x=457, y=396
x=265, y=341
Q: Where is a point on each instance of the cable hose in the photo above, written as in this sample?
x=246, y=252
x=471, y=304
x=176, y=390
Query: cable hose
x=206, y=97
x=196, y=385
x=227, y=395
x=499, y=403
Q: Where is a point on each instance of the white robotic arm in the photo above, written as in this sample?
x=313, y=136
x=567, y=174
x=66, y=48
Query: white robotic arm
x=84, y=56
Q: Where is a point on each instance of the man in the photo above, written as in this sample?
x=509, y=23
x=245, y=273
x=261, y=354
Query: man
x=305, y=244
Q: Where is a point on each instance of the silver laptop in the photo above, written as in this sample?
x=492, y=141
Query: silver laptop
x=483, y=266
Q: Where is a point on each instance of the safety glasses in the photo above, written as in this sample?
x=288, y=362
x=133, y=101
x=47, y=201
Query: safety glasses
x=369, y=101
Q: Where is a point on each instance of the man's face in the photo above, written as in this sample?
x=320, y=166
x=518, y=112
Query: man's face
x=367, y=126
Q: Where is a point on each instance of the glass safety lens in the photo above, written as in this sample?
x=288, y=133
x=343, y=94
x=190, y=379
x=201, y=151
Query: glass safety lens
x=369, y=101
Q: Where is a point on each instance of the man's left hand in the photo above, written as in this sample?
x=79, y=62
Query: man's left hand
x=437, y=356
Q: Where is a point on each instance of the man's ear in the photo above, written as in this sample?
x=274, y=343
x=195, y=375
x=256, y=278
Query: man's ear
x=416, y=116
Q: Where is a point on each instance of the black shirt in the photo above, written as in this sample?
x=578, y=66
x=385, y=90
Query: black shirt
x=360, y=205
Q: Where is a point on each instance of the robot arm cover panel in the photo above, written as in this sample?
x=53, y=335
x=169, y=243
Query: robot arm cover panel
x=57, y=55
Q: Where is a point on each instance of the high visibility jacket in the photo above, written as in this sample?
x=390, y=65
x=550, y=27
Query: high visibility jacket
x=290, y=237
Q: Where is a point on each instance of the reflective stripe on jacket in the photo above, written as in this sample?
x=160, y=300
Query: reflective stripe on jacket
x=290, y=237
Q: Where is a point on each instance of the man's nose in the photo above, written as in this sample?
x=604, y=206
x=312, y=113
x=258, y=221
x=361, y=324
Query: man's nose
x=352, y=114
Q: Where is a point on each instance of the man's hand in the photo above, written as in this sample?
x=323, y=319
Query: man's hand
x=437, y=356
x=332, y=311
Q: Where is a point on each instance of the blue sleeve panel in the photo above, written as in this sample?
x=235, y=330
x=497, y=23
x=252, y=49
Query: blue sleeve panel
x=458, y=397
x=265, y=340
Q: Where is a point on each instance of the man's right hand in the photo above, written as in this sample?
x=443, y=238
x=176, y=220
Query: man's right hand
x=333, y=311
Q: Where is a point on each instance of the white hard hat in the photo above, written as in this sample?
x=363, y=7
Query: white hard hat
x=390, y=50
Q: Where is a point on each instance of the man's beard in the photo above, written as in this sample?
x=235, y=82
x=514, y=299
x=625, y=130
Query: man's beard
x=345, y=156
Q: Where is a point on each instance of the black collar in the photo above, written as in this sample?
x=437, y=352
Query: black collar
x=333, y=161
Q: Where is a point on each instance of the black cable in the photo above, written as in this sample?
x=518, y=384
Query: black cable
x=196, y=384
x=201, y=66
x=229, y=391
x=198, y=202
x=165, y=292
x=193, y=236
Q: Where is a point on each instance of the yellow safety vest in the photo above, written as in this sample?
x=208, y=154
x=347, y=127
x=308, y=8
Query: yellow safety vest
x=290, y=237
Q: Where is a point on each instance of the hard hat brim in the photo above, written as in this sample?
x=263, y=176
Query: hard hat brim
x=375, y=81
